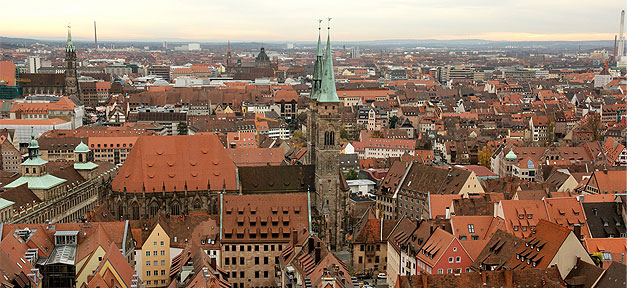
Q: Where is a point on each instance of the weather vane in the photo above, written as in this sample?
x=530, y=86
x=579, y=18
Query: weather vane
x=319, y=23
x=329, y=23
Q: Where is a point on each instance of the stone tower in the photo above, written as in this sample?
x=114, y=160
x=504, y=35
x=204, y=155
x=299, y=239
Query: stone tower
x=71, y=77
x=330, y=200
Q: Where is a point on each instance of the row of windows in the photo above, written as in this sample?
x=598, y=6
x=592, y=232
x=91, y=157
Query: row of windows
x=376, y=259
x=249, y=248
x=155, y=263
x=362, y=246
x=154, y=253
x=34, y=116
x=254, y=235
x=155, y=273
x=111, y=145
x=156, y=282
x=450, y=270
x=242, y=261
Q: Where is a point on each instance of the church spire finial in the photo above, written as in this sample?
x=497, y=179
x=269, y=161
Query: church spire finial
x=69, y=47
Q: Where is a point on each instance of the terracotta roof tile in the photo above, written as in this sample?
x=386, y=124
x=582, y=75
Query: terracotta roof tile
x=176, y=163
x=263, y=217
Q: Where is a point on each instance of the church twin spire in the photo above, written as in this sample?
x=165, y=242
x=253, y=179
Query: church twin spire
x=69, y=47
x=323, y=86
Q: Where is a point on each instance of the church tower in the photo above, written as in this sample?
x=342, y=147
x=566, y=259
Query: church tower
x=71, y=77
x=330, y=200
x=313, y=96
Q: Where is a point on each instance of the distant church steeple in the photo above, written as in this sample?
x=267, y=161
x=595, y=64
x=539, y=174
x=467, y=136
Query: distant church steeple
x=71, y=76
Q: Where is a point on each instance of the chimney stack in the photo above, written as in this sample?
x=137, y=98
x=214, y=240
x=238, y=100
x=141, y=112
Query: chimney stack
x=294, y=237
x=310, y=245
x=621, y=37
x=317, y=255
x=424, y=278
x=509, y=277
x=95, y=36
x=213, y=263
x=577, y=231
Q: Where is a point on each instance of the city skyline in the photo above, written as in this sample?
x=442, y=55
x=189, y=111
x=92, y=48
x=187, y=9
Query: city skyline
x=199, y=21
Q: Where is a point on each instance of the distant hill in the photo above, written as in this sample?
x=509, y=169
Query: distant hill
x=374, y=44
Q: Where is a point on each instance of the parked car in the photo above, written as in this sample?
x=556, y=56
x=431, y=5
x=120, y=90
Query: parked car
x=382, y=276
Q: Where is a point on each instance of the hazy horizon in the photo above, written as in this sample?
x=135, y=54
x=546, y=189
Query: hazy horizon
x=288, y=21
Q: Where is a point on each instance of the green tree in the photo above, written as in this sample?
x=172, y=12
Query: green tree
x=485, y=155
x=351, y=175
x=393, y=121
x=343, y=133
x=182, y=128
x=298, y=135
x=594, y=124
x=376, y=134
x=427, y=145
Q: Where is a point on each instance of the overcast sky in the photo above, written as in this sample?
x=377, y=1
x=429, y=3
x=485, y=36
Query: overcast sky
x=281, y=20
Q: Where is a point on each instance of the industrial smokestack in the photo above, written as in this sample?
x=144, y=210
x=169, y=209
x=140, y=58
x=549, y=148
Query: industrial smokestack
x=614, y=55
x=95, y=36
x=621, y=37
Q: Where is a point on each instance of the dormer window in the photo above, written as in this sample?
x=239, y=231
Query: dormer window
x=515, y=228
x=521, y=216
x=529, y=216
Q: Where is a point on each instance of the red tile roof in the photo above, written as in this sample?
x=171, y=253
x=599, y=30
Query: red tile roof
x=522, y=213
x=436, y=245
x=540, y=246
x=256, y=156
x=263, y=217
x=176, y=163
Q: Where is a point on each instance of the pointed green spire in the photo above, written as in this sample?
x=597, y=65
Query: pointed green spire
x=317, y=74
x=69, y=47
x=328, y=92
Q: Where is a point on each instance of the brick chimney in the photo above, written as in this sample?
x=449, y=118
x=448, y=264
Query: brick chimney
x=213, y=263
x=310, y=245
x=294, y=237
x=317, y=255
x=577, y=231
x=484, y=277
x=509, y=277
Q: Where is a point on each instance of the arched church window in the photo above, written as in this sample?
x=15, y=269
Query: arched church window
x=135, y=210
x=154, y=208
x=175, y=209
x=80, y=158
